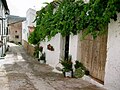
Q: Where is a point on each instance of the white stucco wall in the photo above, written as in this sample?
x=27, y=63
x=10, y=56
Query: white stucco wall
x=3, y=26
x=0, y=8
x=112, y=71
x=75, y=47
x=53, y=57
x=30, y=17
x=0, y=51
x=25, y=31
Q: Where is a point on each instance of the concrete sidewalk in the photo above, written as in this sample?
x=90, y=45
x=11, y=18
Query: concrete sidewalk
x=19, y=71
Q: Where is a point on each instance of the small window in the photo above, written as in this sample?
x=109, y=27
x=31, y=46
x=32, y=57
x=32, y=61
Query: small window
x=16, y=36
x=15, y=31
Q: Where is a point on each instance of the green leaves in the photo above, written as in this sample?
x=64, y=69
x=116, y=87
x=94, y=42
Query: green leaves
x=71, y=16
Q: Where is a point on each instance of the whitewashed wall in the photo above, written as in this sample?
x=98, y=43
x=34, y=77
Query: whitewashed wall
x=30, y=17
x=73, y=43
x=0, y=8
x=25, y=31
x=58, y=42
x=53, y=57
x=3, y=29
x=0, y=51
x=112, y=71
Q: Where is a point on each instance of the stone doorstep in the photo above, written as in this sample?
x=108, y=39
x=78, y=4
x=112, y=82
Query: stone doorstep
x=57, y=71
x=90, y=80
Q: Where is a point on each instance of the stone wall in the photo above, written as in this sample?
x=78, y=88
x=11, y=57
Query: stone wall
x=29, y=48
x=15, y=31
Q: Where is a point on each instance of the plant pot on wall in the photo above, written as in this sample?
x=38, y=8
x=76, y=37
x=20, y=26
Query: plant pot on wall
x=50, y=47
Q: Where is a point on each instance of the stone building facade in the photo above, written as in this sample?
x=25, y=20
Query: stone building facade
x=15, y=32
x=15, y=29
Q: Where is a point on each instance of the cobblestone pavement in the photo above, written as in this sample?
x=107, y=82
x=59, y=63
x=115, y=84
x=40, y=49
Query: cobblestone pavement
x=19, y=71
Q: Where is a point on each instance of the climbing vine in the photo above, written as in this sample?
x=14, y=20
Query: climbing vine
x=72, y=16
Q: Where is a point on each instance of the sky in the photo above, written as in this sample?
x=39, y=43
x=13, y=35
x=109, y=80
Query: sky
x=19, y=7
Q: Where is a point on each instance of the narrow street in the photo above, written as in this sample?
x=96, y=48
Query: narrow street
x=19, y=71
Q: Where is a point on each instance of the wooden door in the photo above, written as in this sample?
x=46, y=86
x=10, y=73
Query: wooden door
x=93, y=55
x=66, y=47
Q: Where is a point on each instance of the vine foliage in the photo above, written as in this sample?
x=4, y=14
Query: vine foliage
x=71, y=16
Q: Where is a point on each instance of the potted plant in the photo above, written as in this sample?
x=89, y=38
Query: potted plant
x=80, y=70
x=36, y=53
x=67, y=67
x=40, y=48
x=40, y=51
x=42, y=58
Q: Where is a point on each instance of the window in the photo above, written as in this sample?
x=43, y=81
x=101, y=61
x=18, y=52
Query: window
x=16, y=36
x=15, y=31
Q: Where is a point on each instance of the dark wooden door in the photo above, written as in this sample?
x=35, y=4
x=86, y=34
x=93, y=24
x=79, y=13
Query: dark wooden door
x=67, y=47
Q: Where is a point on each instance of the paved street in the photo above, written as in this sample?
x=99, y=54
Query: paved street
x=19, y=71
